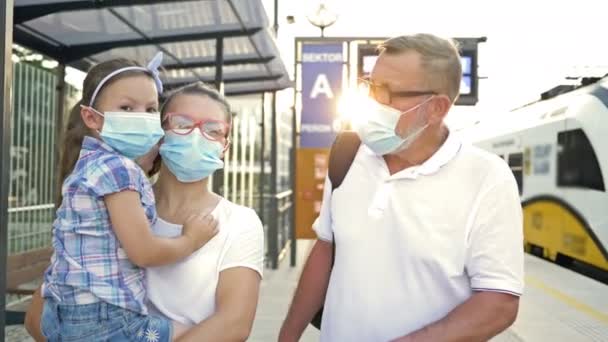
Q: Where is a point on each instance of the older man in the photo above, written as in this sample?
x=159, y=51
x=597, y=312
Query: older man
x=428, y=230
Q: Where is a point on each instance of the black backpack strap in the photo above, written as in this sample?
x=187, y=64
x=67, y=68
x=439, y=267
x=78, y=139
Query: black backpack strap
x=341, y=157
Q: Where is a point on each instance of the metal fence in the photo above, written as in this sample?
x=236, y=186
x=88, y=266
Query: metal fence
x=257, y=170
x=33, y=159
x=279, y=236
x=242, y=159
x=281, y=206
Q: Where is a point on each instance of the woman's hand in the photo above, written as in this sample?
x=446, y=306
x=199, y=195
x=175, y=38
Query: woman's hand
x=33, y=316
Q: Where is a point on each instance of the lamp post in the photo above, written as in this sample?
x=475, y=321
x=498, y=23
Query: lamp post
x=322, y=17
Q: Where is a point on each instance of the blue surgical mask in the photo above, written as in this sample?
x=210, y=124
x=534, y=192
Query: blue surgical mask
x=377, y=131
x=132, y=134
x=191, y=157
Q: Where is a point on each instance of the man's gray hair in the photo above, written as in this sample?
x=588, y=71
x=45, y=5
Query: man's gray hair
x=440, y=59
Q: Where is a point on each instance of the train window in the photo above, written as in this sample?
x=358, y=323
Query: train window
x=516, y=163
x=516, y=160
x=577, y=164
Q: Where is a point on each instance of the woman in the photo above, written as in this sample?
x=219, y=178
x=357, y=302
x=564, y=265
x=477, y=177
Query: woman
x=215, y=290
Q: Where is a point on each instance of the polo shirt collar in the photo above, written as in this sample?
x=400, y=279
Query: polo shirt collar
x=446, y=152
x=442, y=156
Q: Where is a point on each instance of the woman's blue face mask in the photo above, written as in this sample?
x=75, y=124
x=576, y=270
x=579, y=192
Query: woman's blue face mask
x=191, y=157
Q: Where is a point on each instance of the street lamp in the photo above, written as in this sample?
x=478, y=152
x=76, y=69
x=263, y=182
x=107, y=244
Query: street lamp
x=322, y=17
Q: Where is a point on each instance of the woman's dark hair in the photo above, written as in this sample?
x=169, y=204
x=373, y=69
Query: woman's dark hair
x=197, y=88
x=76, y=130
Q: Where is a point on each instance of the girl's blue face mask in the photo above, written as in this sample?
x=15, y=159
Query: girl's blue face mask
x=191, y=157
x=132, y=134
x=129, y=133
x=377, y=128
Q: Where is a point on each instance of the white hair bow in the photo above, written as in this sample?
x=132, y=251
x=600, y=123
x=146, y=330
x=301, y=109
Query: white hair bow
x=153, y=66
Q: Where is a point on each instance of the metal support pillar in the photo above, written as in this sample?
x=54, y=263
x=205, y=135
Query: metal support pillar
x=6, y=82
x=262, y=180
x=218, y=176
x=276, y=18
x=273, y=229
x=293, y=170
x=219, y=63
x=59, y=128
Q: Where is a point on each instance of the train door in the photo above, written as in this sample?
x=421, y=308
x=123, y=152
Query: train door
x=581, y=183
x=542, y=218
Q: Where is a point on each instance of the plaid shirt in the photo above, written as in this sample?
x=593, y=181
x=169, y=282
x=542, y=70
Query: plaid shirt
x=88, y=263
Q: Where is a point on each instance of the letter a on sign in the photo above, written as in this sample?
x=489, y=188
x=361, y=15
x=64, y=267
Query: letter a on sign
x=321, y=86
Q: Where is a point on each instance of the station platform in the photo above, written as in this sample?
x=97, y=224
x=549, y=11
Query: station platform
x=559, y=305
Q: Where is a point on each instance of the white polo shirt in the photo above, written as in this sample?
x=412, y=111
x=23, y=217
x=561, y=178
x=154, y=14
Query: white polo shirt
x=412, y=246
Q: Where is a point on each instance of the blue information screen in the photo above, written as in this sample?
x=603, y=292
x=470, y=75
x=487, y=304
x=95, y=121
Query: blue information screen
x=465, y=84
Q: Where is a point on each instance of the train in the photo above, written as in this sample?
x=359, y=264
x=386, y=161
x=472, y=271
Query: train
x=557, y=148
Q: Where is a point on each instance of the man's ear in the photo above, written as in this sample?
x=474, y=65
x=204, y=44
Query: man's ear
x=438, y=109
x=91, y=119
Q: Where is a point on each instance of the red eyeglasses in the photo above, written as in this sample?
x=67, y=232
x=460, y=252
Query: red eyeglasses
x=184, y=124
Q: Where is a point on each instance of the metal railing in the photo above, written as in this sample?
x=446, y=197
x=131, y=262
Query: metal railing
x=32, y=184
x=33, y=159
x=279, y=227
x=30, y=227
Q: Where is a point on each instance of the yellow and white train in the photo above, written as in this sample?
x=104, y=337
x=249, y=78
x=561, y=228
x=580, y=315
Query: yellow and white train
x=558, y=151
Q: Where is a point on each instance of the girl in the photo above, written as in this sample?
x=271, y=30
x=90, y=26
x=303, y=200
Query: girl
x=94, y=288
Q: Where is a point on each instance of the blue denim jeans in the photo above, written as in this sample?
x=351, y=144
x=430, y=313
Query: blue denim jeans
x=101, y=322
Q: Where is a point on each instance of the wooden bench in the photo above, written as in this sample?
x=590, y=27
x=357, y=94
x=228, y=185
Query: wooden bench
x=22, y=269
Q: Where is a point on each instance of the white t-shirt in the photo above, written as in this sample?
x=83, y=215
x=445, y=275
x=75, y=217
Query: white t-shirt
x=185, y=291
x=412, y=246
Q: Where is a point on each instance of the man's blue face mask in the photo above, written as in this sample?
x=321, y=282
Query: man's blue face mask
x=377, y=129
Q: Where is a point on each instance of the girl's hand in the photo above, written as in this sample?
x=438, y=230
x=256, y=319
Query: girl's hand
x=199, y=229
